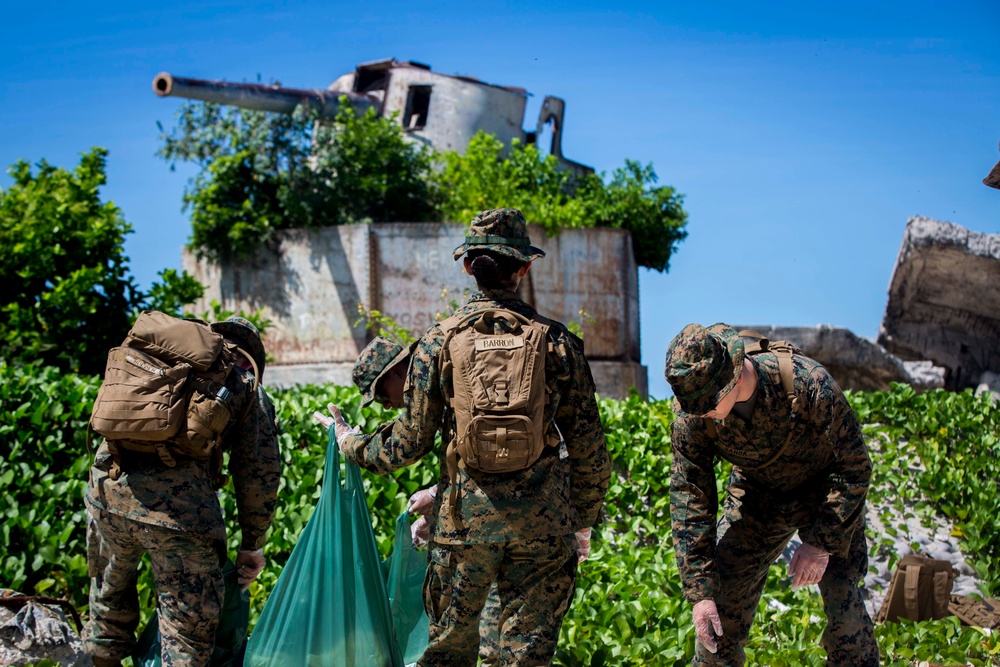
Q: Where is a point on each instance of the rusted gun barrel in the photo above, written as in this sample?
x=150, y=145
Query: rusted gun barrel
x=258, y=96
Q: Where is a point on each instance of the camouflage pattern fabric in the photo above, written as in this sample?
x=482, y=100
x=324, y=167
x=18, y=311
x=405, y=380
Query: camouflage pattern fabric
x=489, y=630
x=174, y=514
x=556, y=496
x=817, y=487
x=535, y=582
x=189, y=585
x=500, y=230
x=182, y=497
x=754, y=529
x=378, y=357
x=34, y=630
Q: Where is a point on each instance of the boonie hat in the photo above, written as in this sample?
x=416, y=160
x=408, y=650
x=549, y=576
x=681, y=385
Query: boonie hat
x=246, y=334
x=375, y=360
x=702, y=365
x=501, y=230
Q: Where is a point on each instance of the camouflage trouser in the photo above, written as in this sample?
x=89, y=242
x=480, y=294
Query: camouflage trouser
x=489, y=630
x=189, y=587
x=535, y=581
x=752, y=535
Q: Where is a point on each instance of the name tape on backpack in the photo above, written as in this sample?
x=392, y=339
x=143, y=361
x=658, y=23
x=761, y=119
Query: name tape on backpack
x=499, y=343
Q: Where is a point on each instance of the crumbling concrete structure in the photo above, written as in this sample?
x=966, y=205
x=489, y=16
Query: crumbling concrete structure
x=944, y=301
x=312, y=285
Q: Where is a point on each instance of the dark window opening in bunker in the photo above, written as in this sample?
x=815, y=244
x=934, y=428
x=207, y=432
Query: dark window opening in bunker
x=418, y=103
x=369, y=79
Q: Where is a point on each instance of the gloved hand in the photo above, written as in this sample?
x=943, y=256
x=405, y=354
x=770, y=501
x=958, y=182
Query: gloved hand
x=583, y=545
x=420, y=532
x=249, y=564
x=422, y=501
x=707, y=624
x=808, y=565
x=341, y=428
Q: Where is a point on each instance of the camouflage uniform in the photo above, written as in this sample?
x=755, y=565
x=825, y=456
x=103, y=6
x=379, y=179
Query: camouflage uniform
x=816, y=487
x=174, y=514
x=516, y=528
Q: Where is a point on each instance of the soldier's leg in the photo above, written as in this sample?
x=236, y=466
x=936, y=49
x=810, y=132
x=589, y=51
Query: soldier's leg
x=849, y=638
x=190, y=590
x=752, y=537
x=536, y=584
x=113, y=557
x=489, y=630
x=458, y=579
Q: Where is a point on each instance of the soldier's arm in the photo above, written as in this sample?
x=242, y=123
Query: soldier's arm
x=694, y=506
x=255, y=465
x=404, y=440
x=579, y=422
x=845, y=484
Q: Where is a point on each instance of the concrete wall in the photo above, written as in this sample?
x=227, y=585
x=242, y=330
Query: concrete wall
x=312, y=283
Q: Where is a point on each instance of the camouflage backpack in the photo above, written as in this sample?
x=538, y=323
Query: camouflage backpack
x=755, y=343
x=498, y=388
x=164, y=391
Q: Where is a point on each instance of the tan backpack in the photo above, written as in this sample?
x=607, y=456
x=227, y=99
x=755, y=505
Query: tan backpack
x=164, y=392
x=498, y=388
x=920, y=590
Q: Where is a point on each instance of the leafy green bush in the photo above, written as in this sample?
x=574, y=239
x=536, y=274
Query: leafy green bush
x=68, y=295
x=628, y=608
x=261, y=172
x=482, y=177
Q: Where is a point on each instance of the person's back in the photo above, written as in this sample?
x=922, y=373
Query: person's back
x=173, y=513
x=516, y=527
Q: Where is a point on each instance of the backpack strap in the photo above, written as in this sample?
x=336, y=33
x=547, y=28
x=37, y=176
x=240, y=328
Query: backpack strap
x=911, y=591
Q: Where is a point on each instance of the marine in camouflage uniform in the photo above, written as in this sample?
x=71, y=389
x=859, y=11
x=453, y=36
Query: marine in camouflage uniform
x=816, y=486
x=516, y=528
x=174, y=515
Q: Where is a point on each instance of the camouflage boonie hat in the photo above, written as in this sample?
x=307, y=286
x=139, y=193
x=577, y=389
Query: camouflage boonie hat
x=375, y=360
x=702, y=365
x=246, y=335
x=501, y=230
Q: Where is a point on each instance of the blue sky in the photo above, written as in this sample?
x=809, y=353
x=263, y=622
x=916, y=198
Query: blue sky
x=803, y=135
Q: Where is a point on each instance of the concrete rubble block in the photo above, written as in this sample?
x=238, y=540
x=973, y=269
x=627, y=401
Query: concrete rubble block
x=855, y=362
x=944, y=300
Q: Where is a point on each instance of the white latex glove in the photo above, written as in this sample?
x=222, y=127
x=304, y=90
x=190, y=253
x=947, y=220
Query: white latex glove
x=583, y=545
x=422, y=501
x=707, y=624
x=420, y=532
x=249, y=564
x=808, y=565
x=341, y=428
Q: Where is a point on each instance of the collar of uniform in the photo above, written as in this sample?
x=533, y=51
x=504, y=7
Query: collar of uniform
x=495, y=295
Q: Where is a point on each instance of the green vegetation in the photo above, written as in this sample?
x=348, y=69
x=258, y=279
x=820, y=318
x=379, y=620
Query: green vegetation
x=628, y=608
x=68, y=295
x=262, y=172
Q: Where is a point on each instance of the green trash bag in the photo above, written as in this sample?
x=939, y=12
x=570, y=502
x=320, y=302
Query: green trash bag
x=329, y=607
x=230, y=636
x=406, y=570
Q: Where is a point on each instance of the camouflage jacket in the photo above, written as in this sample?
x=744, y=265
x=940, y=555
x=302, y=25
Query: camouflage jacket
x=554, y=496
x=182, y=497
x=826, y=466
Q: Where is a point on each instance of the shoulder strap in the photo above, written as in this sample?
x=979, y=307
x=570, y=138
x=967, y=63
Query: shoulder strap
x=911, y=590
